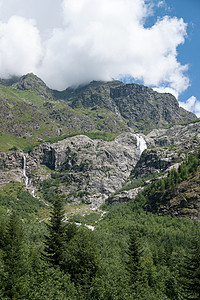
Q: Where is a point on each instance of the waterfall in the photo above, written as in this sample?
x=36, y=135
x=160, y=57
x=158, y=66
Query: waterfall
x=28, y=182
x=24, y=170
x=33, y=193
x=141, y=144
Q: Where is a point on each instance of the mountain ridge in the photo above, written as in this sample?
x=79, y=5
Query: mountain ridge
x=104, y=106
x=83, y=143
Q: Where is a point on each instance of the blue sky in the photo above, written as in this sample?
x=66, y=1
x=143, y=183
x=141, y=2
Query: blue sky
x=189, y=52
x=72, y=42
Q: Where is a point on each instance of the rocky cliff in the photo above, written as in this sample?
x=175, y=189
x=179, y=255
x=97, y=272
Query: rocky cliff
x=84, y=168
x=91, y=171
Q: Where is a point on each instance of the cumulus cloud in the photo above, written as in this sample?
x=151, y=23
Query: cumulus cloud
x=166, y=90
x=192, y=104
x=100, y=39
x=20, y=47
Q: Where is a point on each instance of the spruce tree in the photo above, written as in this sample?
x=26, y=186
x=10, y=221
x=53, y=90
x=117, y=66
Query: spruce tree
x=13, y=257
x=81, y=259
x=55, y=240
x=133, y=264
x=191, y=271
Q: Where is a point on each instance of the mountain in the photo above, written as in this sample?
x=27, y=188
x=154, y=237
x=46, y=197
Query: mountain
x=140, y=106
x=29, y=112
x=103, y=106
x=98, y=143
x=122, y=161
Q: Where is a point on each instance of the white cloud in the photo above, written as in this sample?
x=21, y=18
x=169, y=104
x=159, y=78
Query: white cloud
x=20, y=47
x=166, y=90
x=47, y=13
x=192, y=104
x=100, y=39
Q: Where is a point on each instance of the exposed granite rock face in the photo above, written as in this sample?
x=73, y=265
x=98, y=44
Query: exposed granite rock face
x=10, y=160
x=153, y=161
x=124, y=196
x=138, y=103
x=11, y=167
x=94, y=169
x=96, y=93
x=175, y=135
x=167, y=147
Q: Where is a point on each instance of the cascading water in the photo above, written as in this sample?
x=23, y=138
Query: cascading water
x=24, y=170
x=141, y=144
x=28, y=181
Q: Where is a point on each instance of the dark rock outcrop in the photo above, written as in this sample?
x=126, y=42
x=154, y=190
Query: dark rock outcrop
x=32, y=83
x=140, y=106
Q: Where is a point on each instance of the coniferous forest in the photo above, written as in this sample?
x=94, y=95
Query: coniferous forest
x=100, y=181
x=131, y=254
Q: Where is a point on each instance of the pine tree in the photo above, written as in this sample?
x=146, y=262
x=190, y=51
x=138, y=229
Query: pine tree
x=133, y=264
x=191, y=271
x=81, y=260
x=14, y=264
x=55, y=240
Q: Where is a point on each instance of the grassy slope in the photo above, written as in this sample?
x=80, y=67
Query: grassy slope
x=14, y=197
x=28, y=119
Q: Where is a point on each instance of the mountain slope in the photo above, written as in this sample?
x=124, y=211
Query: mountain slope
x=140, y=106
x=86, y=144
x=105, y=106
x=83, y=170
x=179, y=193
x=28, y=111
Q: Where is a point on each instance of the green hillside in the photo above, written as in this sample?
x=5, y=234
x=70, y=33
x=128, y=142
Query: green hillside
x=27, y=119
x=30, y=110
x=56, y=240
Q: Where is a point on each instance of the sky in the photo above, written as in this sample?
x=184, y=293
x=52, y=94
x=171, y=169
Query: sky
x=72, y=42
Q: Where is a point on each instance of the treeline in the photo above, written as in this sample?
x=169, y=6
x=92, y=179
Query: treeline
x=131, y=254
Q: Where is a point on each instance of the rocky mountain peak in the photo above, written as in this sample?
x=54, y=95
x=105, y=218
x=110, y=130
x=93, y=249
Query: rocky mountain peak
x=140, y=106
x=32, y=83
x=137, y=106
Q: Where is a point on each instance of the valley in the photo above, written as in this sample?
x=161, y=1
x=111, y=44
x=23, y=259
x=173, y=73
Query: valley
x=87, y=177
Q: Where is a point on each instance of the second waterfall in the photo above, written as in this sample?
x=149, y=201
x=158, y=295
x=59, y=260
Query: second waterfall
x=141, y=144
x=24, y=170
